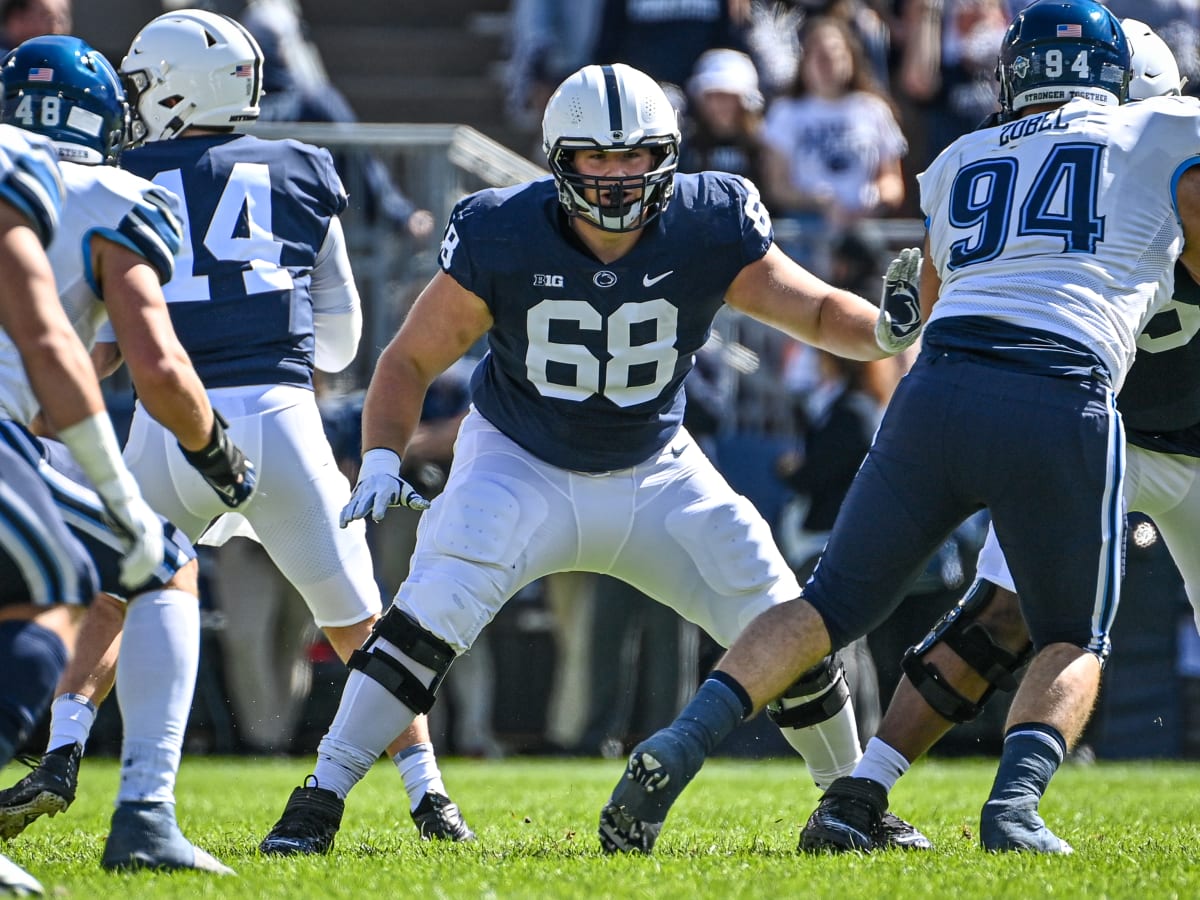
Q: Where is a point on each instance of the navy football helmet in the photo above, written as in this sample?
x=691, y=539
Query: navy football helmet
x=1056, y=50
x=60, y=87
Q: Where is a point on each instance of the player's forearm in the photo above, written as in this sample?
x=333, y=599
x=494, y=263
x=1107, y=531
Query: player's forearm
x=173, y=394
x=392, y=408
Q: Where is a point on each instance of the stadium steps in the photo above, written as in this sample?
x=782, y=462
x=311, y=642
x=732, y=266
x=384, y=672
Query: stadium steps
x=418, y=61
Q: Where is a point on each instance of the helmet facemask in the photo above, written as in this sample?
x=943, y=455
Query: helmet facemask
x=624, y=202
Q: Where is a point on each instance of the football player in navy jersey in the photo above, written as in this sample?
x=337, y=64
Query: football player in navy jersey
x=594, y=288
x=1037, y=278
x=262, y=295
x=113, y=248
x=47, y=575
x=981, y=645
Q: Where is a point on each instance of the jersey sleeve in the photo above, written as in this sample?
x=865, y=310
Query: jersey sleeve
x=754, y=221
x=456, y=256
x=30, y=181
x=145, y=220
x=327, y=188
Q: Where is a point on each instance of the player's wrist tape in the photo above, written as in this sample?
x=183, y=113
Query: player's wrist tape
x=93, y=443
x=380, y=461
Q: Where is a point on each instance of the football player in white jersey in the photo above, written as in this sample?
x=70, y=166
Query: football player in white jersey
x=263, y=294
x=981, y=645
x=594, y=287
x=1043, y=272
x=47, y=574
x=113, y=249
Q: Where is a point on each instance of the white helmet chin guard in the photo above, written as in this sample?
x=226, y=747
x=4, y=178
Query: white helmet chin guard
x=612, y=108
x=1153, y=71
x=192, y=67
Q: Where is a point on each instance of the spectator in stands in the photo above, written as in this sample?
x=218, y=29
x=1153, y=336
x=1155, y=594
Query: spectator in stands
x=295, y=92
x=548, y=40
x=665, y=38
x=724, y=116
x=24, y=19
x=948, y=69
x=1178, y=23
x=833, y=144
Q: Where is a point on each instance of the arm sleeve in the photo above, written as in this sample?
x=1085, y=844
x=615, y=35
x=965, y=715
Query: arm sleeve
x=337, y=310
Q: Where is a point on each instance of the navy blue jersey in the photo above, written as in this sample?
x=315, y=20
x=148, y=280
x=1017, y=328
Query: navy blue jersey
x=255, y=214
x=1160, y=401
x=586, y=360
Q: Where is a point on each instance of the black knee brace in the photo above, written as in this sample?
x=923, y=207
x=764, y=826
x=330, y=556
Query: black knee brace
x=960, y=631
x=419, y=645
x=828, y=677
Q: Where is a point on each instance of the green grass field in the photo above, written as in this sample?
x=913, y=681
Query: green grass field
x=733, y=834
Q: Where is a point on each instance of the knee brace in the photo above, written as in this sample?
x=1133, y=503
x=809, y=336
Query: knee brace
x=417, y=645
x=961, y=632
x=826, y=689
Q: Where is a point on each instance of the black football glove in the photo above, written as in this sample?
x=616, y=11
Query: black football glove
x=223, y=465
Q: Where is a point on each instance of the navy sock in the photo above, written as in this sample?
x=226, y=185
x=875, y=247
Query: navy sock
x=31, y=660
x=715, y=711
x=1032, y=754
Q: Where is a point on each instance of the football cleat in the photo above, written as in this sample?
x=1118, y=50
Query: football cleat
x=656, y=774
x=309, y=823
x=437, y=819
x=622, y=833
x=16, y=882
x=902, y=835
x=849, y=817
x=147, y=836
x=1006, y=826
x=46, y=791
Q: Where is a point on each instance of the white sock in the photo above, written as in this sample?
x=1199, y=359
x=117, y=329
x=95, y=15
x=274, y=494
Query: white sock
x=369, y=717
x=71, y=719
x=830, y=748
x=156, y=677
x=882, y=763
x=419, y=769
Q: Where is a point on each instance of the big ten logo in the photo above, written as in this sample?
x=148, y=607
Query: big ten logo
x=555, y=281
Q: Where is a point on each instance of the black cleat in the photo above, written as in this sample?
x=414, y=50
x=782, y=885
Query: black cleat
x=902, y=835
x=46, y=791
x=438, y=819
x=622, y=833
x=309, y=822
x=849, y=817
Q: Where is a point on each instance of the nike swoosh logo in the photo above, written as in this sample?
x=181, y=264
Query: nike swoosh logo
x=647, y=281
x=678, y=451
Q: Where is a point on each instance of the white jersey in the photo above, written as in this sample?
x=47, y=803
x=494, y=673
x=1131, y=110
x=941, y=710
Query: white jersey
x=1064, y=221
x=110, y=203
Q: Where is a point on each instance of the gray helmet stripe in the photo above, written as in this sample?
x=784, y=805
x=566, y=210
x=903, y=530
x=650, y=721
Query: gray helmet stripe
x=614, y=99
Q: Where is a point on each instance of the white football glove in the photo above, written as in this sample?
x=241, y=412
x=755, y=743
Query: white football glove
x=899, y=322
x=137, y=525
x=380, y=487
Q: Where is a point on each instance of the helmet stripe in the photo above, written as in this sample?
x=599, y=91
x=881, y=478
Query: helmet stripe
x=614, y=99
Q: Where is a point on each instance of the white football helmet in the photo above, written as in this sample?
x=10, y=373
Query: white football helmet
x=1153, y=71
x=612, y=107
x=192, y=67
